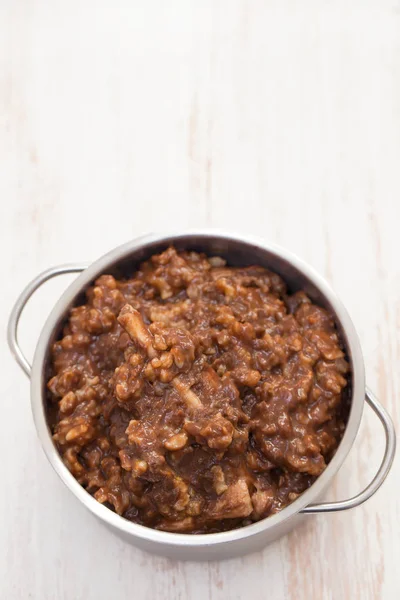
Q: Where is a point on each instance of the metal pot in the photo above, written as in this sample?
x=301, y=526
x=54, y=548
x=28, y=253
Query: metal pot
x=238, y=250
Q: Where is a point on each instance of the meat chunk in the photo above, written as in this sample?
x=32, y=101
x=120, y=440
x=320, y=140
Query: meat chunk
x=189, y=397
x=234, y=503
x=132, y=322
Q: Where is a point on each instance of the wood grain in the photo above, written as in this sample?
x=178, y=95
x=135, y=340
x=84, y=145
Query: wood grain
x=276, y=118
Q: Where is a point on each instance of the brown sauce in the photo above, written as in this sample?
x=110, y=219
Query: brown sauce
x=197, y=397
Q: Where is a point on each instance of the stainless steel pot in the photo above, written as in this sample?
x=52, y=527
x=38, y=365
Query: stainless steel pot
x=238, y=250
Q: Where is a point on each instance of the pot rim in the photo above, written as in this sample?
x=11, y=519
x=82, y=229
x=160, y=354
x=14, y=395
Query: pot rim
x=181, y=539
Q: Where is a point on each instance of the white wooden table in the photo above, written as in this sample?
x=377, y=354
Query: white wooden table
x=274, y=117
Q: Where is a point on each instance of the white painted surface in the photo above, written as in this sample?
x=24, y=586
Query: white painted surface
x=278, y=118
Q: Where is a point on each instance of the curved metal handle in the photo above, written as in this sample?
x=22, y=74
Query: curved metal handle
x=383, y=470
x=12, y=331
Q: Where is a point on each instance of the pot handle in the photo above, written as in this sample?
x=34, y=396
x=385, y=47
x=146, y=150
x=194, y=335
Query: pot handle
x=12, y=331
x=383, y=470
